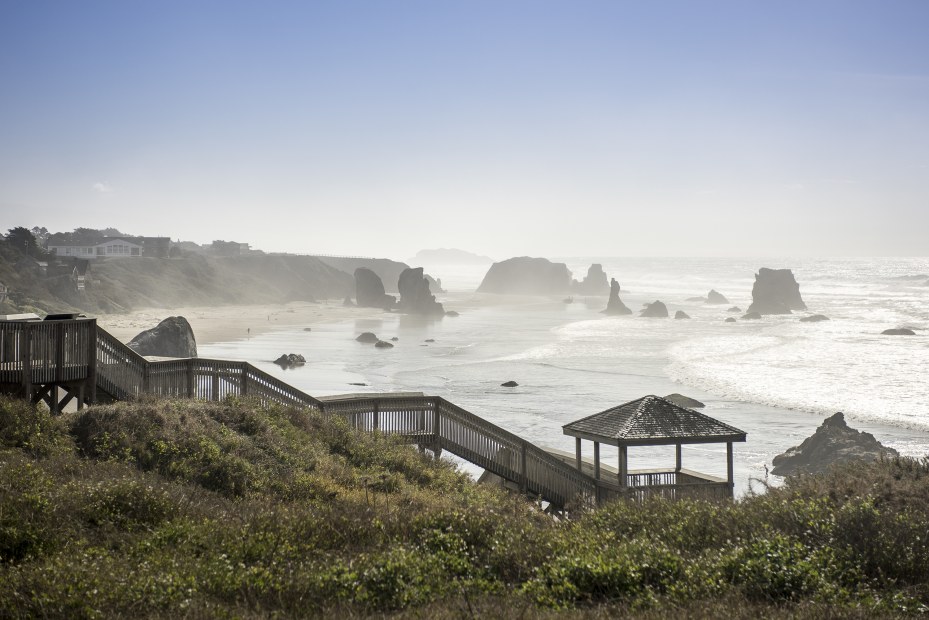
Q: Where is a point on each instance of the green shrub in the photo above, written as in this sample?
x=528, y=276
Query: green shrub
x=28, y=427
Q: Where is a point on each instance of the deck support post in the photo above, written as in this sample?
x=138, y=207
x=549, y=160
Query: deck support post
x=596, y=460
x=623, y=467
x=577, y=451
x=677, y=466
x=729, y=470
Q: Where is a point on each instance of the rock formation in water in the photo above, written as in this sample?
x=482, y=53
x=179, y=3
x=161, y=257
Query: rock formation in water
x=615, y=305
x=680, y=314
x=656, y=309
x=714, y=297
x=290, y=360
x=415, y=296
x=730, y=320
x=684, y=401
x=383, y=344
x=814, y=318
x=369, y=291
x=898, y=331
x=833, y=442
x=509, y=384
x=173, y=337
x=734, y=309
x=527, y=276
x=594, y=283
x=751, y=316
x=367, y=338
x=775, y=292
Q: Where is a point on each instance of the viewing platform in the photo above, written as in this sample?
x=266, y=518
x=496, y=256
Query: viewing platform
x=67, y=357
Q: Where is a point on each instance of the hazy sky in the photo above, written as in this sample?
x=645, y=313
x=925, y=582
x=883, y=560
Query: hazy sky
x=502, y=127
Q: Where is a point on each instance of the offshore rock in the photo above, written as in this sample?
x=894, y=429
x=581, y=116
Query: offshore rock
x=716, y=298
x=524, y=275
x=383, y=344
x=367, y=338
x=833, y=442
x=415, y=296
x=615, y=305
x=730, y=320
x=656, y=309
x=775, y=292
x=594, y=284
x=814, y=318
x=684, y=401
x=898, y=331
x=509, y=384
x=680, y=314
x=734, y=309
x=173, y=337
x=751, y=316
x=289, y=360
x=369, y=290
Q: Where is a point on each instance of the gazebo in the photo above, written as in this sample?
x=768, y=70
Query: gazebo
x=654, y=421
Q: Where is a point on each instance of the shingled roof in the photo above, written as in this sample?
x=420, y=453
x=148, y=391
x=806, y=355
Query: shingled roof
x=652, y=420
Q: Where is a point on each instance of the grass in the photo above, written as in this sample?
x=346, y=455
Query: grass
x=202, y=510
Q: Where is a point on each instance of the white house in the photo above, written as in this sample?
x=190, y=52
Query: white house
x=109, y=246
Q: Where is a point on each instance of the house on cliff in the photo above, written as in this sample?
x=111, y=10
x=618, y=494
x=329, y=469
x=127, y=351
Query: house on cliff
x=92, y=246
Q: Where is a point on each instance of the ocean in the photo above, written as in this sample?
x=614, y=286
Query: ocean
x=776, y=378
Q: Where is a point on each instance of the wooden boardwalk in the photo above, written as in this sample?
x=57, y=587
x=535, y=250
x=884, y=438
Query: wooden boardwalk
x=90, y=364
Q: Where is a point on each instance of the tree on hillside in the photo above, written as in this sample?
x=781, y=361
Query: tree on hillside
x=41, y=235
x=23, y=240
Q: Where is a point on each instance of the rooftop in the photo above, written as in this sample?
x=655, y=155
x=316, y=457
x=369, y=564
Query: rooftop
x=652, y=420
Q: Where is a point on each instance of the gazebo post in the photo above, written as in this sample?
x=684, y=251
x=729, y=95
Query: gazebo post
x=677, y=466
x=596, y=460
x=577, y=451
x=729, y=472
x=623, y=466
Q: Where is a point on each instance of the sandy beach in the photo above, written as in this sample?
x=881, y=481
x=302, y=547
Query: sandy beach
x=214, y=324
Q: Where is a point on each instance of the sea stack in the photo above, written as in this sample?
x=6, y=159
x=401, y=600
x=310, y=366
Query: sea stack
x=833, y=442
x=173, y=337
x=415, y=296
x=656, y=309
x=525, y=275
x=615, y=305
x=594, y=284
x=714, y=297
x=775, y=292
x=369, y=290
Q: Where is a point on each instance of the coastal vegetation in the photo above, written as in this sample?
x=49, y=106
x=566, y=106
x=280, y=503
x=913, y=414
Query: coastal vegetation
x=230, y=509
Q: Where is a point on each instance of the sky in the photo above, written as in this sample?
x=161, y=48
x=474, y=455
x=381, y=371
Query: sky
x=507, y=128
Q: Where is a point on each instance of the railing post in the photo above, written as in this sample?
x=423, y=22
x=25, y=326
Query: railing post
x=215, y=391
x=524, y=475
x=92, y=363
x=376, y=414
x=243, y=382
x=191, y=393
x=27, y=360
x=436, y=422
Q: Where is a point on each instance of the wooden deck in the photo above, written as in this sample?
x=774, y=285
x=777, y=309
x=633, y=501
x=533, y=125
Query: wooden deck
x=67, y=353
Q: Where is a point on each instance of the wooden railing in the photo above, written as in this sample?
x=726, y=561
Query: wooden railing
x=643, y=485
x=37, y=352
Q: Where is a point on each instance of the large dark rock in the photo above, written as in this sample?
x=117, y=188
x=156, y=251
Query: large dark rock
x=680, y=314
x=594, y=284
x=898, y=331
x=173, y=337
x=290, y=360
x=833, y=442
x=716, y=298
x=751, y=316
x=775, y=292
x=369, y=291
x=383, y=344
x=367, y=338
x=656, y=309
x=415, y=296
x=615, y=305
x=527, y=276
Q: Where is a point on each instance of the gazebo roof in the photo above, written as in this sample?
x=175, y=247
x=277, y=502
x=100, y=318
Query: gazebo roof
x=652, y=420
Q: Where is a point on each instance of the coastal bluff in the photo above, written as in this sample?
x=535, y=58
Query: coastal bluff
x=525, y=275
